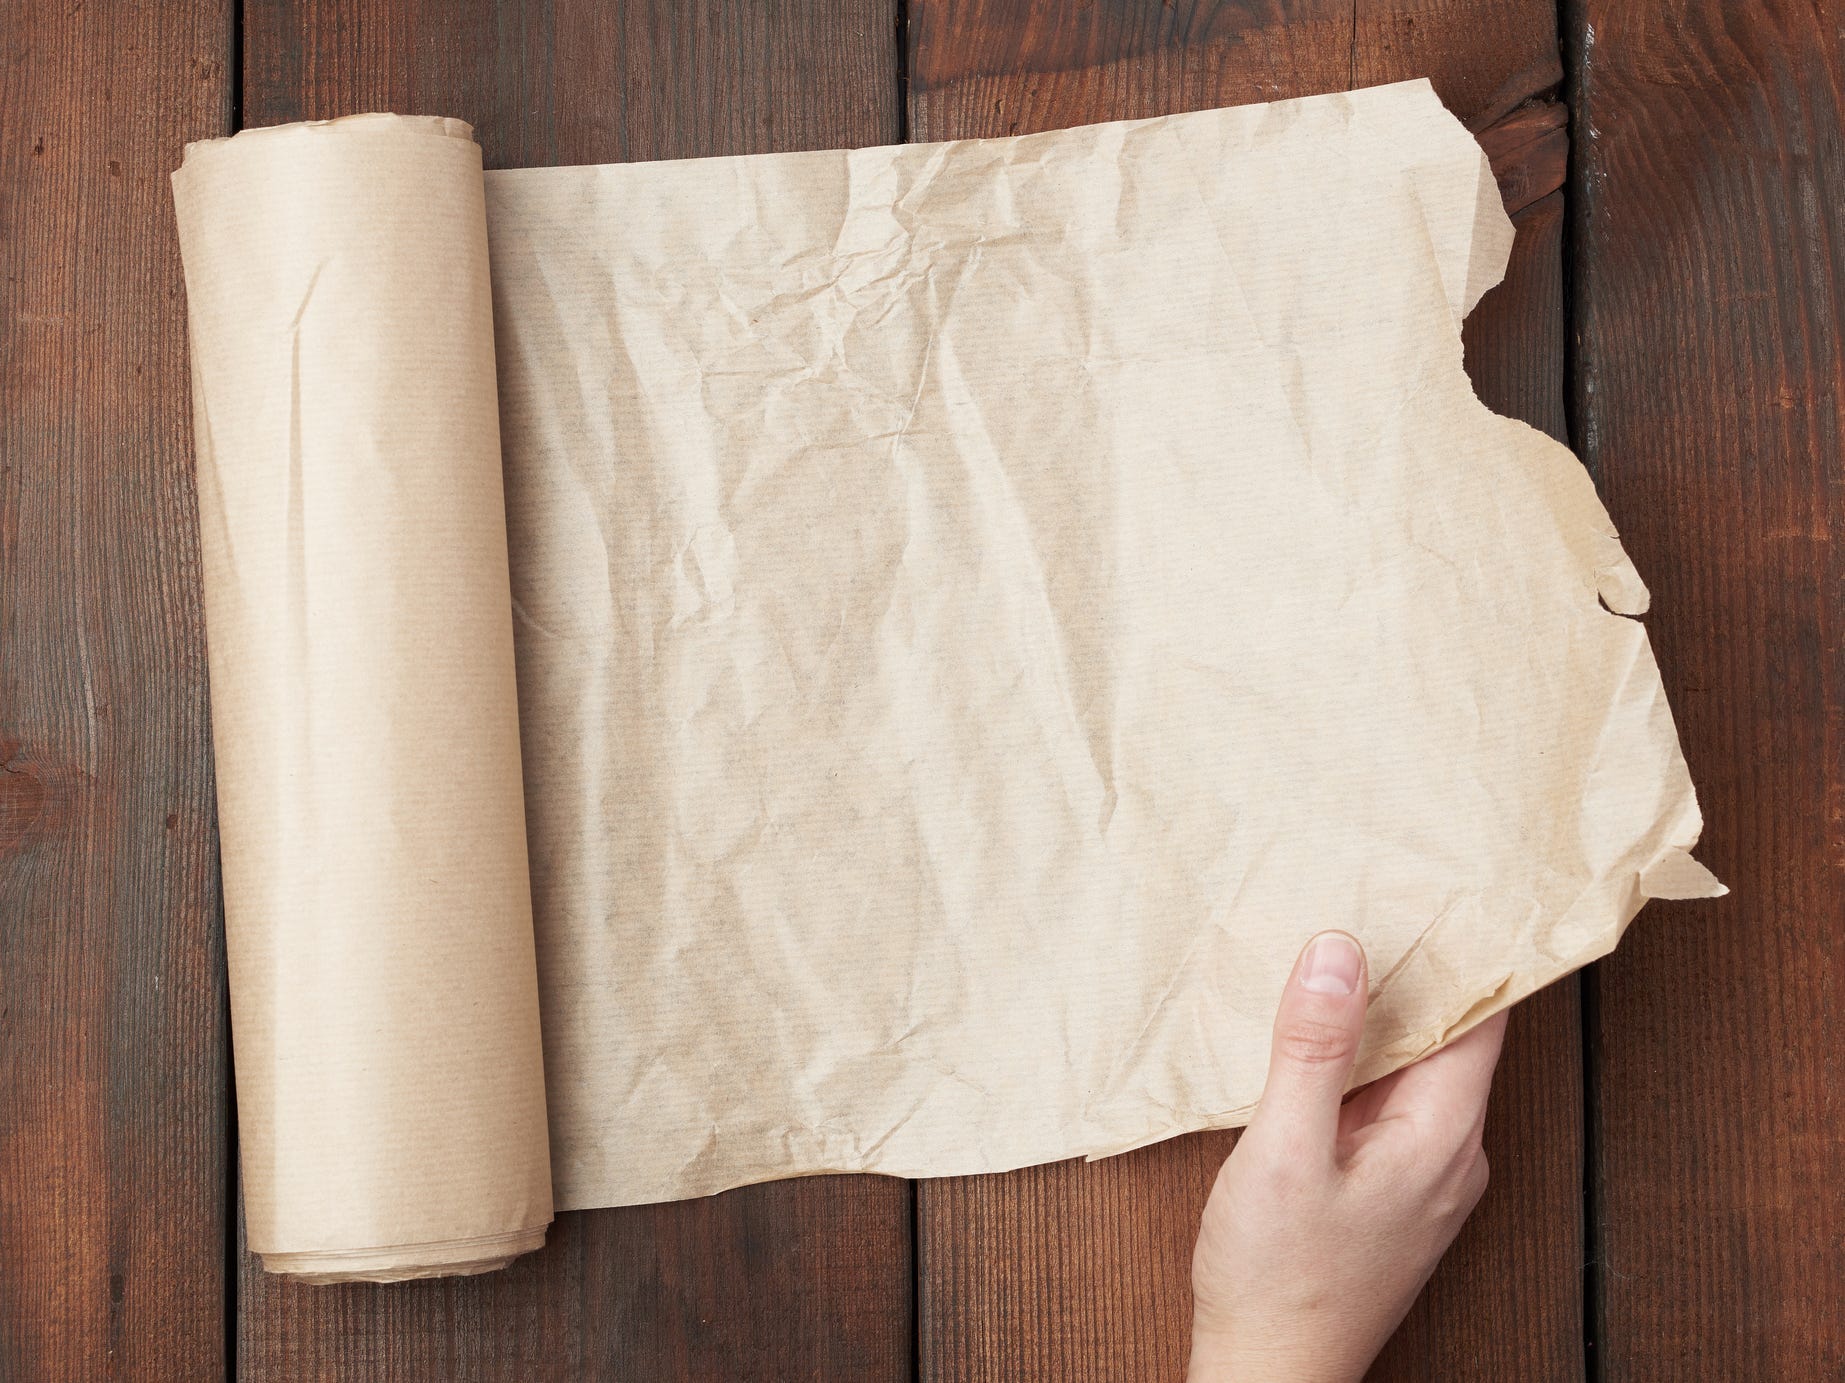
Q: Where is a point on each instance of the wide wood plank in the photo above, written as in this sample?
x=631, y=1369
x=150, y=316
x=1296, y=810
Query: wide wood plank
x=1710, y=235
x=799, y=1280
x=1083, y=1271
x=112, y=1038
x=792, y=1280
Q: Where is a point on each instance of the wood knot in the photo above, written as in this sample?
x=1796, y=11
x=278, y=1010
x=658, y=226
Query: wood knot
x=1525, y=131
x=22, y=796
x=1529, y=149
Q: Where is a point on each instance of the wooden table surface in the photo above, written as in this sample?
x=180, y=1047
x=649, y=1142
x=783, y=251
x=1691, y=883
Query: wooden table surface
x=1666, y=1136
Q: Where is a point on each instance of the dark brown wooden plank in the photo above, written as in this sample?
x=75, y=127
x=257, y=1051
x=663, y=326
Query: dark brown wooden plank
x=112, y=1038
x=799, y=1280
x=1082, y=1271
x=792, y=1280
x=1711, y=240
x=573, y=81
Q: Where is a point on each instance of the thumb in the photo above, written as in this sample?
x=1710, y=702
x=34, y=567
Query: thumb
x=1317, y=1028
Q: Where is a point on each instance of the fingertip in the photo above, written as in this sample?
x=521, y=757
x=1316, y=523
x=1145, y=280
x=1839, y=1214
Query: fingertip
x=1331, y=963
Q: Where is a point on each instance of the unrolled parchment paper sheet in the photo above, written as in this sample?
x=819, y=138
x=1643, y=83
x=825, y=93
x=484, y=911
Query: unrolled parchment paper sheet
x=978, y=608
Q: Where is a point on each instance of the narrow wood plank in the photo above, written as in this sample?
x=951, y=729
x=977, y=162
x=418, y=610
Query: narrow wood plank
x=112, y=1040
x=1083, y=1271
x=1711, y=238
x=806, y=1279
x=1507, y=1300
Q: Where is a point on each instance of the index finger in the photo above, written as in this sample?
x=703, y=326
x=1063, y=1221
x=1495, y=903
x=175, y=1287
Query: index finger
x=1455, y=1081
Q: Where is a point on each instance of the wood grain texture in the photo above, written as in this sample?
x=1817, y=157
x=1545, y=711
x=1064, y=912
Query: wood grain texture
x=112, y=1039
x=1082, y=1271
x=799, y=1280
x=1076, y=1270
x=996, y=67
x=794, y=1280
x=549, y=82
x=1710, y=236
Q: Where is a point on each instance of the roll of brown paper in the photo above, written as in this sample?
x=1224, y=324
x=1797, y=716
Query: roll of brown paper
x=978, y=608
x=390, y=1087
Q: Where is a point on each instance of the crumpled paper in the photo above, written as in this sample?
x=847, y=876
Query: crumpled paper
x=978, y=609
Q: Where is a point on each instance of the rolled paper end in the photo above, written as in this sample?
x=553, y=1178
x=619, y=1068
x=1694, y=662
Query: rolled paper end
x=406, y=1262
x=384, y=986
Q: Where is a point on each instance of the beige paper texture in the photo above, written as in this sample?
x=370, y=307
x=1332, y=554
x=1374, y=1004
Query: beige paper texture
x=978, y=607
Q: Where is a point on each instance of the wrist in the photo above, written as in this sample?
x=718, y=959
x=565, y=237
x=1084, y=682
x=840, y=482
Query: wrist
x=1219, y=1357
x=1212, y=1360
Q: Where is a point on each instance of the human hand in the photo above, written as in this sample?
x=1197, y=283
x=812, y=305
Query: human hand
x=1328, y=1217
